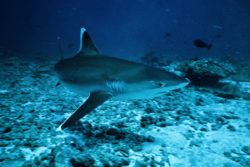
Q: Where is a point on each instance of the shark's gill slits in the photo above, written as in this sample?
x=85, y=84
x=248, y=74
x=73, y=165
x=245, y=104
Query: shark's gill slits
x=116, y=87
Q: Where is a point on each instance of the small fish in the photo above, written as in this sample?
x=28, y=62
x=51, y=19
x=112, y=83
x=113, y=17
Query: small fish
x=58, y=83
x=218, y=36
x=218, y=27
x=38, y=53
x=167, y=35
x=201, y=44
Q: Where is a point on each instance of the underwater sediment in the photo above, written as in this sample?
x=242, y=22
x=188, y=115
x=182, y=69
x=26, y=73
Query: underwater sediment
x=192, y=126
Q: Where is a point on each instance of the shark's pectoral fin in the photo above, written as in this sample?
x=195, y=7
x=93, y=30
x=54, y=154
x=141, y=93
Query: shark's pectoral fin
x=95, y=99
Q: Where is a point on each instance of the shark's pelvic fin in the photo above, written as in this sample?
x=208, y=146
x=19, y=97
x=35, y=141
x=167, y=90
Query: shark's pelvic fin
x=87, y=46
x=95, y=99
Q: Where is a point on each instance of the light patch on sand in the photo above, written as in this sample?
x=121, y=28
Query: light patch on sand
x=29, y=154
x=3, y=91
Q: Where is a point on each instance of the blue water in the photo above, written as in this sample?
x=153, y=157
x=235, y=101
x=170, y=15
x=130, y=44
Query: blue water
x=127, y=28
x=204, y=124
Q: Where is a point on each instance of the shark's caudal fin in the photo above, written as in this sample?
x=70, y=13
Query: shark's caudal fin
x=95, y=99
x=87, y=46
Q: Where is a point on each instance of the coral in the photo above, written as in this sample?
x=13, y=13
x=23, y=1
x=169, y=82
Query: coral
x=228, y=90
x=206, y=72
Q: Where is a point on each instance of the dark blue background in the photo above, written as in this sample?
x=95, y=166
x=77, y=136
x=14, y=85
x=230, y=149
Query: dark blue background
x=127, y=28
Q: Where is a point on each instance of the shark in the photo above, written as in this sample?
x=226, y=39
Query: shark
x=100, y=77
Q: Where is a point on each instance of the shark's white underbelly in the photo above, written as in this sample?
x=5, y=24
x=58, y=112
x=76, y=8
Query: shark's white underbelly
x=123, y=91
x=147, y=93
x=82, y=90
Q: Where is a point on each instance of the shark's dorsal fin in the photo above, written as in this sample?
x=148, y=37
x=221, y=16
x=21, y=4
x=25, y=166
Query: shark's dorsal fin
x=87, y=46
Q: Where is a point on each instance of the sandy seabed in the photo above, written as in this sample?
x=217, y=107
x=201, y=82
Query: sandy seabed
x=190, y=127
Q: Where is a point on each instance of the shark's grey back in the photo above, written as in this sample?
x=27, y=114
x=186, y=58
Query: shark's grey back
x=112, y=68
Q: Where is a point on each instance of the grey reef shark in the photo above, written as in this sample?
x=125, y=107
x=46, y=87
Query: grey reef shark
x=101, y=77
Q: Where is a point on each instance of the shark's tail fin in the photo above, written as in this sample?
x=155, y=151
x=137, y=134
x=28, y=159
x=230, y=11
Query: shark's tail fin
x=87, y=46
